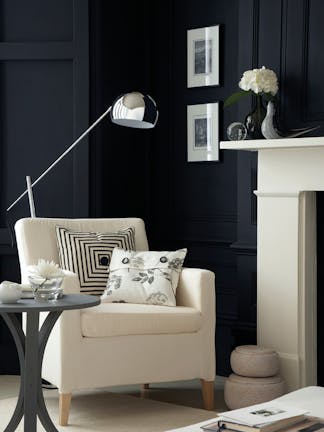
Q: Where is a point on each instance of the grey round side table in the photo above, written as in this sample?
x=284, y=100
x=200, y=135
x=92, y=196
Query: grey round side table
x=31, y=349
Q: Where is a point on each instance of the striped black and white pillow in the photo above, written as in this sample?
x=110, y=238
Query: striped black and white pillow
x=88, y=254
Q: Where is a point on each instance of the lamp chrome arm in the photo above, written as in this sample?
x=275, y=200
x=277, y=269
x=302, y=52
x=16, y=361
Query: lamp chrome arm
x=61, y=157
x=133, y=110
x=30, y=197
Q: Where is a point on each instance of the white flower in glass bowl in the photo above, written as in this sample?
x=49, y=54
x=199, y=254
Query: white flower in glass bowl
x=45, y=269
x=46, y=279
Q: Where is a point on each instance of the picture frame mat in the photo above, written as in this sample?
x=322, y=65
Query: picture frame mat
x=203, y=56
x=203, y=132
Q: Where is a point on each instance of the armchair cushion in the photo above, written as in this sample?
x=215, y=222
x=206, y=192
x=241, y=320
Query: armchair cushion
x=144, y=277
x=110, y=319
x=88, y=254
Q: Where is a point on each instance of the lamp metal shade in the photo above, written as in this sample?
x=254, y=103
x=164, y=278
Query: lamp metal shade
x=134, y=110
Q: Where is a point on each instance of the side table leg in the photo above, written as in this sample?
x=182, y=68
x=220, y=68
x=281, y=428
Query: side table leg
x=44, y=333
x=32, y=370
x=19, y=338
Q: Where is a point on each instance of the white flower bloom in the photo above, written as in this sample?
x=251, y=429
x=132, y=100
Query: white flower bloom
x=260, y=81
x=45, y=269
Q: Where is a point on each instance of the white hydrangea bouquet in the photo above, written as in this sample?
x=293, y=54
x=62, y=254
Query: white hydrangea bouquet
x=260, y=82
x=46, y=279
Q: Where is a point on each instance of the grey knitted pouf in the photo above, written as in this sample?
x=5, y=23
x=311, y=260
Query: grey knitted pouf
x=256, y=378
x=254, y=361
x=240, y=392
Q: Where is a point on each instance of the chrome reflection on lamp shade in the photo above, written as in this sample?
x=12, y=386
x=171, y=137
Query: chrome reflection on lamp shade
x=134, y=110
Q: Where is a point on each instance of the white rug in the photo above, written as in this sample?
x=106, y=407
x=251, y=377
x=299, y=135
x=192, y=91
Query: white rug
x=114, y=412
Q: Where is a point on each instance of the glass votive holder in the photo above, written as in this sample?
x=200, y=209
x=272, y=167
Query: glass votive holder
x=46, y=289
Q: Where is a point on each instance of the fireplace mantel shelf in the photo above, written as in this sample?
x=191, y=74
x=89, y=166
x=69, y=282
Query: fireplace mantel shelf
x=263, y=144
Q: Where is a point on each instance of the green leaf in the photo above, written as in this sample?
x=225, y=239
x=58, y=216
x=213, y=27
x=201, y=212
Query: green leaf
x=269, y=97
x=235, y=97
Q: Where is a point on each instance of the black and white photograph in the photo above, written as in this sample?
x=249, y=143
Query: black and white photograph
x=268, y=412
x=203, y=56
x=202, y=131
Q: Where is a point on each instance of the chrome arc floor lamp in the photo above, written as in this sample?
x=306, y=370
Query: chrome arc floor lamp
x=133, y=110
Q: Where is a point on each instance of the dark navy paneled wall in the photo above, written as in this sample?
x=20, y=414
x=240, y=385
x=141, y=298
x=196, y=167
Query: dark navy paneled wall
x=120, y=42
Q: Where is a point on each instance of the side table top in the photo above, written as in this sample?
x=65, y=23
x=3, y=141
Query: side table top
x=69, y=301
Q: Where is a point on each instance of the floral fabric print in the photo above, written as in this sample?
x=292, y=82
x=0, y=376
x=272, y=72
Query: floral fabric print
x=144, y=277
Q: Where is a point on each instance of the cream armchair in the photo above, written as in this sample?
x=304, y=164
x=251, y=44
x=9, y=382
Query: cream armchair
x=116, y=344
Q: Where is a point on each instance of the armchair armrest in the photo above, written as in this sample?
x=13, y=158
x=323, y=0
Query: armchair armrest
x=71, y=283
x=63, y=346
x=196, y=289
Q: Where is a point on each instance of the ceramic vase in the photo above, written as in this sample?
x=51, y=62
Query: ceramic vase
x=254, y=119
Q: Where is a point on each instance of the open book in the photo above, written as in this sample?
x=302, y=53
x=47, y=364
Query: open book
x=266, y=417
x=261, y=414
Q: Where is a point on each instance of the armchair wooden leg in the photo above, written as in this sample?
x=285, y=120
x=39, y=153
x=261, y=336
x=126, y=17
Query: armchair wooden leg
x=207, y=388
x=64, y=408
x=145, y=386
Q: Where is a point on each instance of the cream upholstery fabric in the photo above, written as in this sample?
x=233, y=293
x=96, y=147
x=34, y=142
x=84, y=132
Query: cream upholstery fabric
x=74, y=361
x=118, y=319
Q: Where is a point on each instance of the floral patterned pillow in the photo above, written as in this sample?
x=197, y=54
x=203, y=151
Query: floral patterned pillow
x=144, y=277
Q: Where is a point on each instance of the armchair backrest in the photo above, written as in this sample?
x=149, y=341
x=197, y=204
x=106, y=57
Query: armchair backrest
x=36, y=237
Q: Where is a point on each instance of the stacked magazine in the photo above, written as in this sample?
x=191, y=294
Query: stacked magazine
x=266, y=417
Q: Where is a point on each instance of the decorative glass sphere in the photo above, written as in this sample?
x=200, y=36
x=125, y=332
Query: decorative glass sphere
x=236, y=131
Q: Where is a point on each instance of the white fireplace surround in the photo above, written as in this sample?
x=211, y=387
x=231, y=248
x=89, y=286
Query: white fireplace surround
x=290, y=171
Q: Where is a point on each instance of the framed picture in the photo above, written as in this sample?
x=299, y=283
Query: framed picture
x=203, y=136
x=203, y=56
